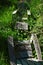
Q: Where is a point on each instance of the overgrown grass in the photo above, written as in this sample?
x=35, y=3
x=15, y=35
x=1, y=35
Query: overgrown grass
x=4, y=58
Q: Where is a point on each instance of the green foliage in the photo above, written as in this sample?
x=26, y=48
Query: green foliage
x=35, y=21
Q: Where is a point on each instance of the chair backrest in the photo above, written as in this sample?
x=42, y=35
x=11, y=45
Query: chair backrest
x=22, y=51
x=25, y=48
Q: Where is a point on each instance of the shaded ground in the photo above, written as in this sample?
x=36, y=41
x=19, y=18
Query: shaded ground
x=4, y=60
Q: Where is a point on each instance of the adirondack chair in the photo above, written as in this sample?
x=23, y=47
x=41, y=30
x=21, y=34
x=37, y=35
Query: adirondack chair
x=20, y=52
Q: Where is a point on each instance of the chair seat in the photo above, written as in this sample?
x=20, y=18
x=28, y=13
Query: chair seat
x=29, y=62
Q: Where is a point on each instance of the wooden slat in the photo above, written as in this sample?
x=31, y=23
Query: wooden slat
x=24, y=62
x=24, y=42
x=23, y=47
x=37, y=47
x=21, y=26
x=11, y=51
x=23, y=55
x=28, y=62
x=19, y=62
x=23, y=51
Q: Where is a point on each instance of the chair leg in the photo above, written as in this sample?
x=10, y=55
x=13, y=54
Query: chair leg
x=37, y=47
x=11, y=50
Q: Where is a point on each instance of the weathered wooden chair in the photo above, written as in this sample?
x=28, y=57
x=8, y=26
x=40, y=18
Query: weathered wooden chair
x=21, y=52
